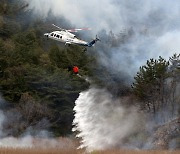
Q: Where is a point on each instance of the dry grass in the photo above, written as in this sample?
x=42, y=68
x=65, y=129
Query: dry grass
x=136, y=152
x=38, y=151
x=44, y=146
x=74, y=151
x=69, y=146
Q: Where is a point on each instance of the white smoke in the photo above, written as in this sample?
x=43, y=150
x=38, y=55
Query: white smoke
x=40, y=143
x=25, y=142
x=80, y=12
x=42, y=138
x=2, y=117
x=6, y=141
x=113, y=14
x=103, y=123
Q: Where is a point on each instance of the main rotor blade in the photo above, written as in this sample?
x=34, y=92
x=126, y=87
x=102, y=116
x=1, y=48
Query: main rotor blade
x=58, y=27
x=71, y=30
x=78, y=29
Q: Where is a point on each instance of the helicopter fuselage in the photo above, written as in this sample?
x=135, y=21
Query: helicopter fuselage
x=66, y=37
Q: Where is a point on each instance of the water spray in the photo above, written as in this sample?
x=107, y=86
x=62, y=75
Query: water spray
x=101, y=120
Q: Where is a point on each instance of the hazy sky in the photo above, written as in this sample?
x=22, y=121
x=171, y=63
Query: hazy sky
x=113, y=14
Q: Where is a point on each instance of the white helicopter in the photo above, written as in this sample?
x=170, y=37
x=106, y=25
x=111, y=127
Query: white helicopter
x=68, y=38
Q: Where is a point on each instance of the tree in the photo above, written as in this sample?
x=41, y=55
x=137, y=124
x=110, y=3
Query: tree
x=174, y=83
x=150, y=83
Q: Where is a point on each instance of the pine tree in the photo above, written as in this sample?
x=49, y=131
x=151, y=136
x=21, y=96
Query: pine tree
x=149, y=84
x=174, y=82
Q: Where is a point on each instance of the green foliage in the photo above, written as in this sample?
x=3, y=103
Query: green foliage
x=27, y=47
x=149, y=83
x=9, y=28
x=175, y=66
x=58, y=57
x=149, y=77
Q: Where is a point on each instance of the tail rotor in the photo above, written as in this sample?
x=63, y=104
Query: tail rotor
x=97, y=39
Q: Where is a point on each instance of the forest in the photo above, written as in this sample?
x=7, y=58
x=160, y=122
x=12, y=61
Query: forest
x=40, y=90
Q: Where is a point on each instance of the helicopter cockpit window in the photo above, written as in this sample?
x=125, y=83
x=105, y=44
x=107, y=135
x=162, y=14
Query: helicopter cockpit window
x=57, y=36
x=52, y=34
x=61, y=37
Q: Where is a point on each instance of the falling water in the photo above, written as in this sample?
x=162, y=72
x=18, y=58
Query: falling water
x=102, y=122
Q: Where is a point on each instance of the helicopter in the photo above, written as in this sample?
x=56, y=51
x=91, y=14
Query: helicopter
x=67, y=37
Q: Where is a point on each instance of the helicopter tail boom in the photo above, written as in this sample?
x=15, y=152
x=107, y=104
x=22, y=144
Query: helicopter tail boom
x=90, y=44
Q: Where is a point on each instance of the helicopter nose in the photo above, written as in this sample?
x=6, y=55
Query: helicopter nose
x=46, y=34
